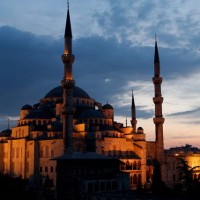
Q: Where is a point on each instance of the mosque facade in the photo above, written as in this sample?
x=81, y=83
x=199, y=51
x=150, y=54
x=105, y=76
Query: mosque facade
x=67, y=119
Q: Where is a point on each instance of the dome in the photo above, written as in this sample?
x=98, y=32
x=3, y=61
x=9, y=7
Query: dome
x=57, y=92
x=140, y=130
x=90, y=113
x=27, y=107
x=107, y=106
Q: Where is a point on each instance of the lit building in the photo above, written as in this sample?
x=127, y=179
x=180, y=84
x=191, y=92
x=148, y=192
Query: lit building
x=68, y=120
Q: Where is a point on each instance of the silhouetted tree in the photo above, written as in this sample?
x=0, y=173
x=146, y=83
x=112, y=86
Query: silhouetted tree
x=186, y=175
x=157, y=183
x=14, y=188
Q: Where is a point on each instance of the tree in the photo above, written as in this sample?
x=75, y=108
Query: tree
x=14, y=188
x=186, y=174
x=157, y=183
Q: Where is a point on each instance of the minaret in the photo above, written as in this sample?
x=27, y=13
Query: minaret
x=158, y=100
x=133, y=115
x=68, y=84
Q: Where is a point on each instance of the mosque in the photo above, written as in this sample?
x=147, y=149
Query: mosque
x=67, y=120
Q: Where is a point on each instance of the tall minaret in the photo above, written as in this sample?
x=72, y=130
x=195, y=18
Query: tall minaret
x=68, y=84
x=158, y=100
x=133, y=115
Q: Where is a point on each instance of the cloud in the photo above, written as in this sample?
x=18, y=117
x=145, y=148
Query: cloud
x=185, y=113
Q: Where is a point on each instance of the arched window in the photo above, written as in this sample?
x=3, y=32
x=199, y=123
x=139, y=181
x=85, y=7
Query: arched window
x=134, y=165
x=135, y=179
x=131, y=166
x=139, y=179
x=131, y=180
x=127, y=165
x=123, y=166
x=139, y=165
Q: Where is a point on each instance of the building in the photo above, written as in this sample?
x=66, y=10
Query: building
x=68, y=120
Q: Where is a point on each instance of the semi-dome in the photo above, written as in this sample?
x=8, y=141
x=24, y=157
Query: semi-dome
x=90, y=113
x=5, y=133
x=57, y=93
x=39, y=114
x=27, y=107
x=107, y=106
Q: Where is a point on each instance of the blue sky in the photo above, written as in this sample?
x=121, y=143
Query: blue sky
x=113, y=44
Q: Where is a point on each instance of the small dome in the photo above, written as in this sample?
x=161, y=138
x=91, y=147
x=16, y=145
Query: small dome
x=27, y=107
x=57, y=92
x=107, y=106
x=5, y=133
x=140, y=130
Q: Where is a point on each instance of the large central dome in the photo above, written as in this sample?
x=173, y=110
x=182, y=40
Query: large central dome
x=57, y=92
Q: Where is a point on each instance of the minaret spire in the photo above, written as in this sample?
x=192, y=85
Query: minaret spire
x=133, y=114
x=68, y=84
x=156, y=55
x=158, y=100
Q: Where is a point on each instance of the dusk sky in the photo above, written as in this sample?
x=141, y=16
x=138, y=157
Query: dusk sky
x=113, y=44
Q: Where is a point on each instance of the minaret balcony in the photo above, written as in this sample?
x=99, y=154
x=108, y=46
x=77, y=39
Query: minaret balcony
x=157, y=80
x=158, y=120
x=158, y=100
x=68, y=84
x=68, y=58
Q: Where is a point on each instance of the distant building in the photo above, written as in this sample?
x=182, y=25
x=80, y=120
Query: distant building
x=68, y=126
x=191, y=155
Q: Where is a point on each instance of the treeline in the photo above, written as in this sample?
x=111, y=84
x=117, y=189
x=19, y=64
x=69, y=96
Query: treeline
x=14, y=188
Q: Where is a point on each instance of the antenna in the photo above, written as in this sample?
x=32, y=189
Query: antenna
x=8, y=123
x=68, y=4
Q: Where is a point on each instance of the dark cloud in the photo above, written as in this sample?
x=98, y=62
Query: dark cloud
x=31, y=66
x=189, y=112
